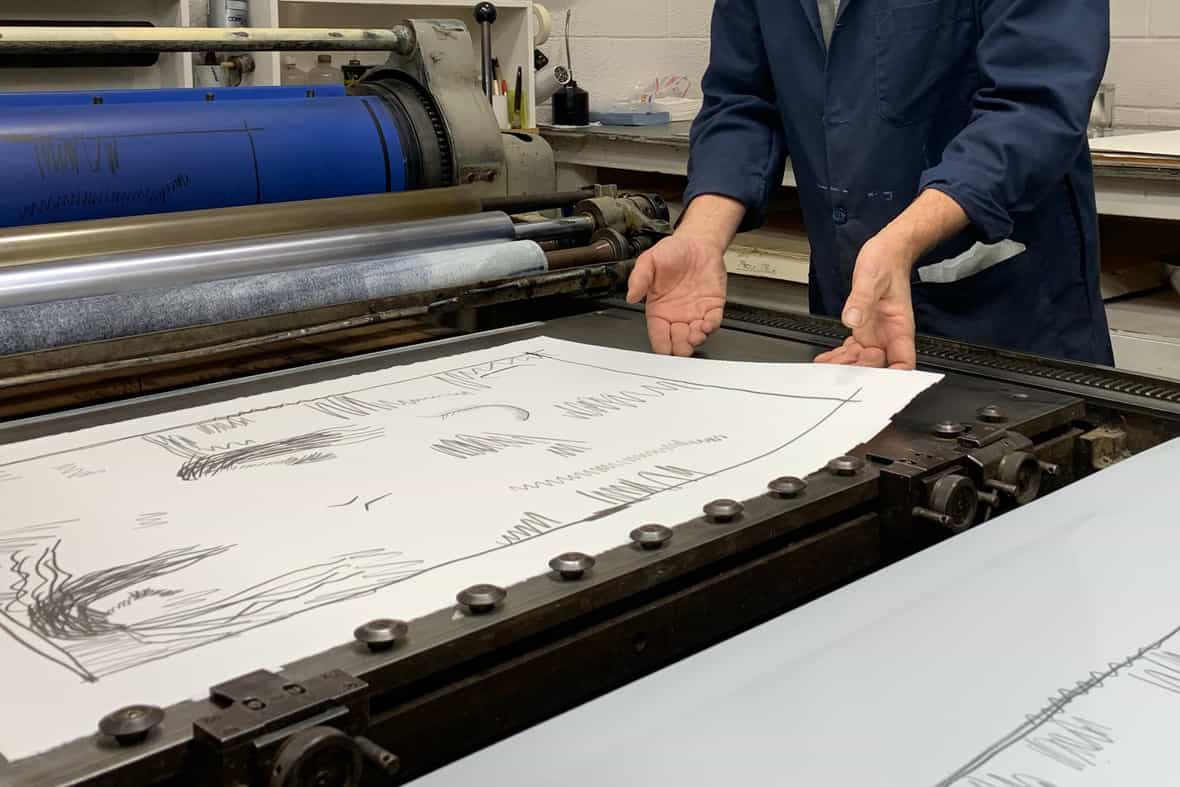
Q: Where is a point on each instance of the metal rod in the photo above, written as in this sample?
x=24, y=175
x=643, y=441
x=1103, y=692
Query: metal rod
x=421, y=304
x=556, y=229
x=67, y=240
x=23, y=285
x=525, y=203
x=602, y=251
x=128, y=40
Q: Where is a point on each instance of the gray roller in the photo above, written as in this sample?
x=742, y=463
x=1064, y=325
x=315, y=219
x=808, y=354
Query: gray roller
x=109, y=274
x=33, y=327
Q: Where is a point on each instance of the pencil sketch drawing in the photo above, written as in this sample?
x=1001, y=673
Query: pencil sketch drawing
x=204, y=536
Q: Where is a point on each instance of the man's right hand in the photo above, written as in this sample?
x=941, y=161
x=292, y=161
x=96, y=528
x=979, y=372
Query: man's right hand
x=683, y=277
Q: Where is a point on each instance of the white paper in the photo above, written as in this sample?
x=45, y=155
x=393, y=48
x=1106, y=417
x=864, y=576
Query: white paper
x=1158, y=143
x=1040, y=649
x=148, y=560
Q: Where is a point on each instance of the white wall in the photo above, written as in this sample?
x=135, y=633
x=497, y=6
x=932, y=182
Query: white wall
x=617, y=43
x=1145, y=61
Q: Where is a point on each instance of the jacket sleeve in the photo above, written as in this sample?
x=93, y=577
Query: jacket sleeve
x=1040, y=62
x=737, y=146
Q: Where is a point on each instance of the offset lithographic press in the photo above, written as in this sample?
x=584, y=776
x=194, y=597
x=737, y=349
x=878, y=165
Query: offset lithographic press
x=339, y=464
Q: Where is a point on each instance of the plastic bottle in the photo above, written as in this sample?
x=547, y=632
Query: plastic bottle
x=325, y=73
x=292, y=74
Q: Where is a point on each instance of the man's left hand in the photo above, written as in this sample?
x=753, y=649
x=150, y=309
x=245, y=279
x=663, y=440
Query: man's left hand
x=879, y=310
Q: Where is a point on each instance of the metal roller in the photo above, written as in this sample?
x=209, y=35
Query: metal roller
x=72, y=279
x=66, y=240
x=44, y=326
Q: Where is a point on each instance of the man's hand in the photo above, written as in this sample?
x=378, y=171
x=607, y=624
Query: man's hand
x=683, y=277
x=879, y=310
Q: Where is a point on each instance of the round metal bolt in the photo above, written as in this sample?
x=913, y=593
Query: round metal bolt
x=948, y=430
x=479, y=599
x=253, y=703
x=572, y=565
x=1019, y=397
x=1020, y=475
x=723, y=510
x=787, y=486
x=992, y=414
x=131, y=724
x=957, y=497
x=846, y=465
x=381, y=634
x=651, y=536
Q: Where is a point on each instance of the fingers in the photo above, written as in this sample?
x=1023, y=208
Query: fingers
x=659, y=332
x=641, y=278
x=846, y=354
x=696, y=333
x=867, y=286
x=680, y=344
x=873, y=357
x=902, y=354
x=712, y=320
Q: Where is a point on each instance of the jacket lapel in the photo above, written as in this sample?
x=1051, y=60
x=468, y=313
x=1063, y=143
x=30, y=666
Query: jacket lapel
x=811, y=11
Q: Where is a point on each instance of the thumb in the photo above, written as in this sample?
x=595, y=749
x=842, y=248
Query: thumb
x=641, y=277
x=868, y=283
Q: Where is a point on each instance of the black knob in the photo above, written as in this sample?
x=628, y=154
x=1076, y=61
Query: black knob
x=846, y=465
x=485, y=13
x=131, y=724
x=381, y=634
x=957, y=498
x=651, y=536
x=479, y=599
x=788, y=486
x=572, y=565
x=723, y=510
x=1019, y=476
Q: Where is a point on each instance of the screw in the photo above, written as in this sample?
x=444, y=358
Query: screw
x=253, y=703
x=992, y=414
x=572, y=565
x=1020, y=397
x=720, y=511
x=381, y=634
x=787, y=486
x=480, y=599
x=651, y=536
x=846, y=465
x=132, y=724
x=948, y=430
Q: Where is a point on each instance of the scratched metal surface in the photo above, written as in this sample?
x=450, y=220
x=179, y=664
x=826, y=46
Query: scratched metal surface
x=1039, y=650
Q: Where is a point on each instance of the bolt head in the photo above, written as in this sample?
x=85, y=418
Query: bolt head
x=131, y=724
x=723, y=510
x=382, y=633
x=787, y=486
x=651, y=536
x=846, y=465
x=948, y=430
x=992, y=414
x=572, y=565
x=479, y=599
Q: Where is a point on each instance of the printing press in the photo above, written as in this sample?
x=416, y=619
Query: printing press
x=112, y=310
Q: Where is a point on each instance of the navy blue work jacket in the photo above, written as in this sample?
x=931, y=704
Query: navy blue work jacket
x=985, y=100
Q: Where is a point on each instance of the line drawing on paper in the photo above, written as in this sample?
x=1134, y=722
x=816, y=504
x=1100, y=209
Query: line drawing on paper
x=102, y=621
x=1164, y=673
x=301, y=449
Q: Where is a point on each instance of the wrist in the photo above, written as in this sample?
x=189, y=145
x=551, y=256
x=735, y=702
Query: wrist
x=715, y=241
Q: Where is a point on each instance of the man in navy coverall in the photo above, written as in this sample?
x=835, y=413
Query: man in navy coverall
x=942, y=164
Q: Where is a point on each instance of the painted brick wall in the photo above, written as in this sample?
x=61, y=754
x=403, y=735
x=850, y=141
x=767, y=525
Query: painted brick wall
x=1145, y=60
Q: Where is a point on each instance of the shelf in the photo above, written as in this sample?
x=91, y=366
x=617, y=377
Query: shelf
x=500, y=4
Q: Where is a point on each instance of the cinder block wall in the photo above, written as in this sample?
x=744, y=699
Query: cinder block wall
x=617, y=43
x=1144, y=61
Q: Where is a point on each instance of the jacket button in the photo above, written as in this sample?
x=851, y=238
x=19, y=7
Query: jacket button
x=840, y=216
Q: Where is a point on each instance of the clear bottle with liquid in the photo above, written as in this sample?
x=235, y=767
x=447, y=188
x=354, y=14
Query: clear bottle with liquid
x=292, y=74
x=325, y=73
